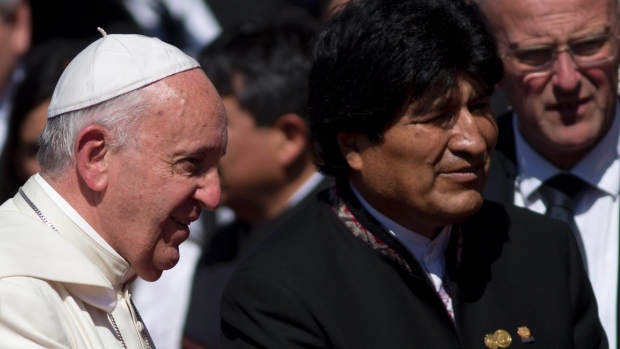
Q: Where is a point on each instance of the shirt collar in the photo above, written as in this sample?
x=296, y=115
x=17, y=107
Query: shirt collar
x=305, y=189
x=600, y=168
x=111, y=264
x=425, y=250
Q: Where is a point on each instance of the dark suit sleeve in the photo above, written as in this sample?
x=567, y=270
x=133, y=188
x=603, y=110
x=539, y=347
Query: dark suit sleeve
x=259, y=312
x=588, y=331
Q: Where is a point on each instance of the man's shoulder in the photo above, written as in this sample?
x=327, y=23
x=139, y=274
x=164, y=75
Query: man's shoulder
x=312, y=214
x=509, y=214
x=28, y=247
x=503, y=239
x=43, y=321
x=517, y=225
x=301, y=237
x=33, y=289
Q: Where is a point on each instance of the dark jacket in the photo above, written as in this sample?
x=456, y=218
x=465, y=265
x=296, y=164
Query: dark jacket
x=224, y=250
x=314, y=284
x=500, y=186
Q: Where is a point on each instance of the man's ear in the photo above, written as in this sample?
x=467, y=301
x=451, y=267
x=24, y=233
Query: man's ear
x=295, y=140
x=93, y=148
x=351, y=146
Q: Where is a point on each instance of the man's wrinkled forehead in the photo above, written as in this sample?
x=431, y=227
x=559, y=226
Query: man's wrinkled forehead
x=502, y=14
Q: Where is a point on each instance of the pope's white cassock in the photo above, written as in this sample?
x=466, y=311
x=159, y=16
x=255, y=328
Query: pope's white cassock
x=62, y=285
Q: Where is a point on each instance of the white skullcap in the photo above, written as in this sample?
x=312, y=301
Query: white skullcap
x=114, y=65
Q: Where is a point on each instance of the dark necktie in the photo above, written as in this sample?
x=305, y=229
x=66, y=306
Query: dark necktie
x=561, y=194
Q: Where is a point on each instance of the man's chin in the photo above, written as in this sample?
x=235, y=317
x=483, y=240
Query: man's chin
x=155, y=271
x=151, y=275
x=465, y=209
x=171, y=260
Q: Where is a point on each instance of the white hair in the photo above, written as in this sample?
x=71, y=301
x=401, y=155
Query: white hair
x=119, y=115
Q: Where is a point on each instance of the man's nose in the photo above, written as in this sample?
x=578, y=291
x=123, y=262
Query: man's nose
x=468, y=135
x=566, y=75
x=208, y=191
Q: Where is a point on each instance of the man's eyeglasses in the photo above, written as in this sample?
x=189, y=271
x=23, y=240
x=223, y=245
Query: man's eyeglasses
x=586, y=52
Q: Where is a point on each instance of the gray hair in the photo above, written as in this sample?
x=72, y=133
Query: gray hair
x=119, y=115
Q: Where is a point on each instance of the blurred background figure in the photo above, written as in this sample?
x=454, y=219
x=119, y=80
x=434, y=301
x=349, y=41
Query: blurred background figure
x=260, y=68
x=187, y=24
x=15, y=34
x=42, y=67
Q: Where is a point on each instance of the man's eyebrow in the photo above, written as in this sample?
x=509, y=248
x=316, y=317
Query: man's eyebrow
x=197, y=152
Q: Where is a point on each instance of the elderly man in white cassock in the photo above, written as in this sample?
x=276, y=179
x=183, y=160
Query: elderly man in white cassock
x=128, y=159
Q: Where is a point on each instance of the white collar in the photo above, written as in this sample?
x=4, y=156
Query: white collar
x=305, y=188
x=118, y=271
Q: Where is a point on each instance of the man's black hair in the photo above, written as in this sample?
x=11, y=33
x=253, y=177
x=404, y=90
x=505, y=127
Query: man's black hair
x=265, y=64
x=374, y=58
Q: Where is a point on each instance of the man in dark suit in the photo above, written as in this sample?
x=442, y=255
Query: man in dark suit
x=561, y=138
x=402, y=252
x=261, y=70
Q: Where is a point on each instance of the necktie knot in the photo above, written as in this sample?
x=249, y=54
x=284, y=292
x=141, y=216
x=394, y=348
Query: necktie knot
x=563, y=190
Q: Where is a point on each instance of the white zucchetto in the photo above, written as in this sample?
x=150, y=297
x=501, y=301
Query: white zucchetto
x=114, y=65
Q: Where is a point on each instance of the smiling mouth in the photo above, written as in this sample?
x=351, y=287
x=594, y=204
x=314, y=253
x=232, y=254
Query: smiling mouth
x=181, y=221
x=466, y=175
x=466, y=170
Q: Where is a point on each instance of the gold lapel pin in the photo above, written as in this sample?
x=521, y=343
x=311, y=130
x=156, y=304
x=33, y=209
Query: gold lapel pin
x=499, y=339
x=525, y=334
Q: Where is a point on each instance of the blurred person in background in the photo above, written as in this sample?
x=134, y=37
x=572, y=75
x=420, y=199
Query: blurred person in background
x=260, y=68
x=15, y=36
x=43, y=66
x=187, y=24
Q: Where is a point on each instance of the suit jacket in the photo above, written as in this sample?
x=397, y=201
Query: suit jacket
x=58, y=287
x=320, y=282
x=225, y=249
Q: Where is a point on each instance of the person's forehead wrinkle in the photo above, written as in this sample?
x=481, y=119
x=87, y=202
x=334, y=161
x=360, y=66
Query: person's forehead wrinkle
x=551, y=23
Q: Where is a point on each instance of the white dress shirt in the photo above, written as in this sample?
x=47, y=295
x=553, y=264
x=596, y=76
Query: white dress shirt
x=596, y=214
x=431, y=254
